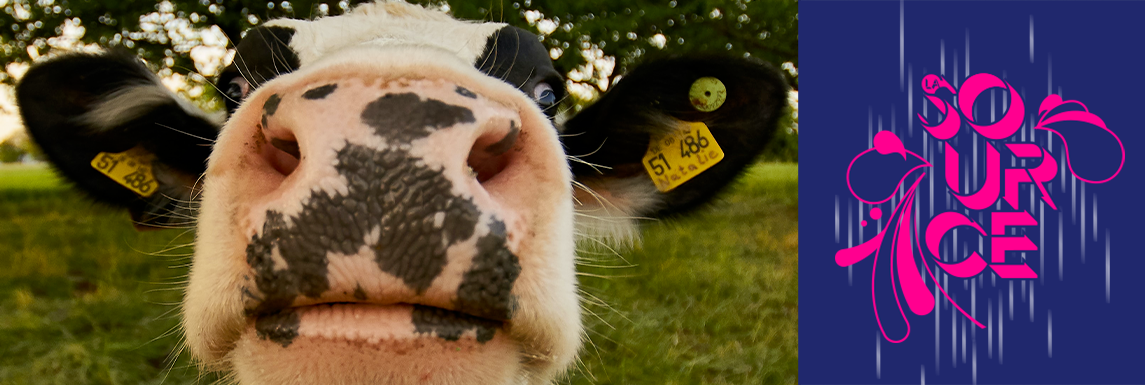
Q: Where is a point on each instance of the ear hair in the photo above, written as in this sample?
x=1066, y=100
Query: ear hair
x=136, y=100
x=610, y=208
x=609, y=140
x=85, y=107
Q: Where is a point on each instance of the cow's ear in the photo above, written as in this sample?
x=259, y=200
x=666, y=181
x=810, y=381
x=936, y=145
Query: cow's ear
x=648, y=147
x=110, y=127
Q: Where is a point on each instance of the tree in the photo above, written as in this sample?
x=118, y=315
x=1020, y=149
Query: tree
x=593, y=41
x=626, y=30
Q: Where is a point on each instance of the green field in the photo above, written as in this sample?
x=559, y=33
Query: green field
x=713, y=298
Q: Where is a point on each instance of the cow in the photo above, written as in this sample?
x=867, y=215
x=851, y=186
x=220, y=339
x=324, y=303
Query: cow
x=391, y=195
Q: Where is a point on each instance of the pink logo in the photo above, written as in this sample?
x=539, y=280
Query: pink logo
x=902, y=226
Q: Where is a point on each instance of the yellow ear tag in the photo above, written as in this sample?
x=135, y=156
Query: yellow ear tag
x=675, y=158
x=708, y=94
x=131, y=168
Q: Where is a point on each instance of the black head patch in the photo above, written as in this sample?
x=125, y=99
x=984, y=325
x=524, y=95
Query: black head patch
x=518, y=57
x=263, y=54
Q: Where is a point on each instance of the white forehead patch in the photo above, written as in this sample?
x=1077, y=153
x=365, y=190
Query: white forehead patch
x=387, y=24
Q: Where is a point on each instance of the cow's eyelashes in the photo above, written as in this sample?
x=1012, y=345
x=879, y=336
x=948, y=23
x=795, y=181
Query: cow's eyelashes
x=544, y=95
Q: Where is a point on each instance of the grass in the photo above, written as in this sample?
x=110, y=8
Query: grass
x=712, y=298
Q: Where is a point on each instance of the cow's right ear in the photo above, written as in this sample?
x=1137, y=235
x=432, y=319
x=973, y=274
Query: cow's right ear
x=110, y=127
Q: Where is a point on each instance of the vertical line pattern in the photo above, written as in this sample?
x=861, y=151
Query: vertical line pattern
x=1011, y=307
x=990, y=328
x=1000, y=328
x=1050, y=333
x=967, y=52
x=1106, y=266
x=878, y=356
x=1031, y=38
x=1061, y=254
x=901, y=42
x=1031, y=303
x=1081, y=237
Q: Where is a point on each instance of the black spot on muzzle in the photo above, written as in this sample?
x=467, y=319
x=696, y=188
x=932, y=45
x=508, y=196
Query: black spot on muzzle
x=271, y=105
x=269, y=108
x=405, y=117
x=450, y=325
x=465, y=92
x=281, y=327
x=389, y=194
x=319, y=92
x=392, y=196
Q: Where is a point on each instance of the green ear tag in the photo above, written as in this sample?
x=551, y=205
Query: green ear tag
x=708, y=94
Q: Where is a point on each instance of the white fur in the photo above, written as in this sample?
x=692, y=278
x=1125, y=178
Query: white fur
x=387, y=24
x=608, y=209
x=134, y=101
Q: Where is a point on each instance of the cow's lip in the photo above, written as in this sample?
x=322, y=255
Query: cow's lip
x=370, y=322
x=257, y=313
x=363, y=340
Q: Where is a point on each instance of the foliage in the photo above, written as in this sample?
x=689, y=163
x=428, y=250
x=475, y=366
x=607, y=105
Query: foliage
x=10, y=153
x=19, y=148
x=626, y=30
x=84, y=298
x=592, y=41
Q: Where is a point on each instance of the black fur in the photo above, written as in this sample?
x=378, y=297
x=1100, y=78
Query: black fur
x=263, y=54
x=54, y=95
x=517, y=57
x=616, y=130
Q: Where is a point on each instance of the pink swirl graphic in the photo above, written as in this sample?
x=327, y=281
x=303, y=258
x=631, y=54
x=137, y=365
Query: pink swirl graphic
x=906, y=280
x=1052, y=102
x=904, y=274
x=886, y=142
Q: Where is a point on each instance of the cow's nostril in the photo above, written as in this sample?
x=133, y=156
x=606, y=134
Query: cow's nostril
x=283, y=153
x=492, y=151
x=287, y=146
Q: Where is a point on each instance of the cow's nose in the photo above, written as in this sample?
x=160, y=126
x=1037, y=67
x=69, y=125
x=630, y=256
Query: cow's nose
x=385, y=192
x=400, y=114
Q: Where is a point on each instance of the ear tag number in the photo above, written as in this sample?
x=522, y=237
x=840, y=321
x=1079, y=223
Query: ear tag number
x=707, y=94
x=131, y=168
x=676, y=158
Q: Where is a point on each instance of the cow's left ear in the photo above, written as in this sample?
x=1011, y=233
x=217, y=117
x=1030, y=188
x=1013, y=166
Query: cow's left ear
x=111, y=128
x=671, y=134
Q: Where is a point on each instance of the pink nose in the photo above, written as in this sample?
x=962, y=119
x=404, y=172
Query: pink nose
x=381, y=192
x=399, y=114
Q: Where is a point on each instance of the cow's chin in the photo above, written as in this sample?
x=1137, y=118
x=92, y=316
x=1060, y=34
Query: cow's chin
x=376, y=344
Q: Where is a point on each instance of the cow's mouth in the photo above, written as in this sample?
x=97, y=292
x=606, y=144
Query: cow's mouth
x=371, y=323
x=358, y=343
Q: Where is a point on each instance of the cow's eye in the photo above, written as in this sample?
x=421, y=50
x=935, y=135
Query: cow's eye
x=544, y=95
x=237, y=89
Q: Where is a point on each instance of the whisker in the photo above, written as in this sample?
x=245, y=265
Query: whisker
x=184, y=132
x=610, y=249
x=594, y=166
